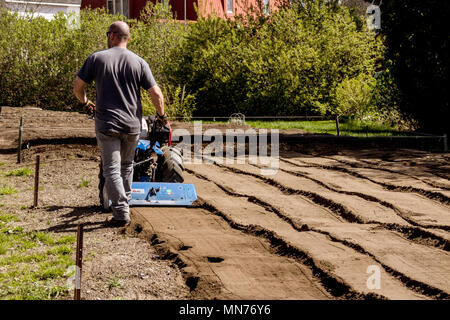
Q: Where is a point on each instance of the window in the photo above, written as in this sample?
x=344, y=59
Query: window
x=118, y=6
x=266, y=6
x=229, y=6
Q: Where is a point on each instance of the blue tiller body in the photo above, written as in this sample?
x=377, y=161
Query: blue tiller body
x=148, y=193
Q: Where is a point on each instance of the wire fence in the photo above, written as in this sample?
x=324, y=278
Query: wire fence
x=441, y=139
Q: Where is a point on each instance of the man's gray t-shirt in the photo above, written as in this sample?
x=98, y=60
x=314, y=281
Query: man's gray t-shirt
x=119, y=74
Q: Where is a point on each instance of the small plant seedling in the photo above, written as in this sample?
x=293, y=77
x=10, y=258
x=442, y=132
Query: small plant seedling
x=115, y=282
x=84, y=183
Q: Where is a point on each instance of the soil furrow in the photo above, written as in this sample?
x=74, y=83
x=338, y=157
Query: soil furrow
x=333, y=263
x=361, y=163
x=253, y=199
x=412, y=233
x=432, y=195
x=222, y=262
x=339, y=189
x=432, y=237
x=337, y=287
x=439, y=207
x=300, y=226
x=407, y=265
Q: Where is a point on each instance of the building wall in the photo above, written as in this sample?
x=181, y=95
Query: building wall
x=136, y=7
x=206, y=7
x=46, y=9
x=93, y=4
x=219, y=7
x=178, y=9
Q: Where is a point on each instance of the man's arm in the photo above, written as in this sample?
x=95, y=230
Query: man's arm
x=79, y=90
x=157, y=99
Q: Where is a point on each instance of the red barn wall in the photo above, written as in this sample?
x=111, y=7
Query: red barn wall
x=178, y=9
x=136, y=7
x=218, y=7
x=93, y=4
x=206, y=7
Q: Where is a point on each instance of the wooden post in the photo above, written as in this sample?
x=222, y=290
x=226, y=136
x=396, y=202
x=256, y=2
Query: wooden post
x=337, y=126
x=79, y=262
x=36, y=181
x=19, y=148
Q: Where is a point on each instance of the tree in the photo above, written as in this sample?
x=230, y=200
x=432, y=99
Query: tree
x=418, y=41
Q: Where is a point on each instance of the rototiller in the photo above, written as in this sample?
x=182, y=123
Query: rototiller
x=158, y=170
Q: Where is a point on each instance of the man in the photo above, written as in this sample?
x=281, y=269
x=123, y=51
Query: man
x=119, y=74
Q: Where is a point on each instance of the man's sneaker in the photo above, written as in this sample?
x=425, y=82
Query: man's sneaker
x=112, y=222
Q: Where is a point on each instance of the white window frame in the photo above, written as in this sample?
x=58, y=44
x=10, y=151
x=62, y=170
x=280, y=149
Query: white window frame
x=118, y=10
x=228, y=2
x=266, y=6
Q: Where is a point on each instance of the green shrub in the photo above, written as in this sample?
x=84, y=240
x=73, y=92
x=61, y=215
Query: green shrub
x=309, y=57
x=39, y=59
x=290, y=62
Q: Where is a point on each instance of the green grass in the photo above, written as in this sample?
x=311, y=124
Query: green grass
x=5, y=190
x=349, y=128
x=84, y=183
x=34, y=264
x=21, y=172
x=6, y=217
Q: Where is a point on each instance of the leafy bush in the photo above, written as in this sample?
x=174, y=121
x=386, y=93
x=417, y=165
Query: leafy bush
x=309, y=57
x=291, y=62
x=39, y=59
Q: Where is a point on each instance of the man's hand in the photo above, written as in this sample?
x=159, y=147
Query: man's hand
x=89, y=106
x=162, y=119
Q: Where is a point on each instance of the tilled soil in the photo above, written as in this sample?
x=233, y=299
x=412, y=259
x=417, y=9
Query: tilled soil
x=320, y=228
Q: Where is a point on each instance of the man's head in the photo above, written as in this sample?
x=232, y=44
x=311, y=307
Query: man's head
x=118, y=34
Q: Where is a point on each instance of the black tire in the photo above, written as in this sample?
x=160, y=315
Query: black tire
x=170, y=168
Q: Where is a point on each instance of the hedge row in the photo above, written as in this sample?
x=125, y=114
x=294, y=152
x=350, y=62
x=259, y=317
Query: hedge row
x=39, y=59
x=306, y=59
